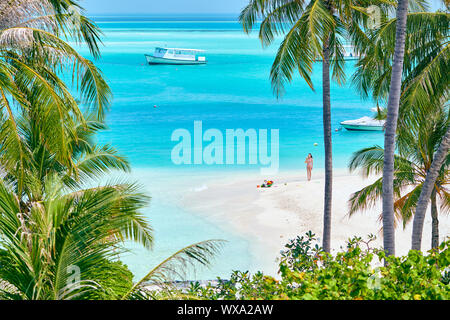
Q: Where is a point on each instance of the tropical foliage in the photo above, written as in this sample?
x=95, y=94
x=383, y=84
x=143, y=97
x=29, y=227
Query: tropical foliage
x=33, y=56
x=424, y=91
x=65, y=229
x=416, y=149
x=355, y=273
x=425, y=83
x=61, y=232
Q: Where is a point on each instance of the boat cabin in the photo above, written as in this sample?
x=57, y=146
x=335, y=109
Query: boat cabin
x=177, y=54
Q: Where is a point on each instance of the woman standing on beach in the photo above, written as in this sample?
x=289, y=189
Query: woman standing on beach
x=309, y=165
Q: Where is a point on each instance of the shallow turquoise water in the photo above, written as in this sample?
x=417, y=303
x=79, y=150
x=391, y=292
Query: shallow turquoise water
x=232, y=91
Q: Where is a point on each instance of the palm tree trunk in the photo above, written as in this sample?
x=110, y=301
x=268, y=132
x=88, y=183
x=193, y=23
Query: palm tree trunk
x=391, y=128
x=427, y=189
x=435, y=221
x=328, y=148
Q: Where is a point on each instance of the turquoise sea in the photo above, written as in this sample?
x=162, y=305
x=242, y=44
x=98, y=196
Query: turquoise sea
x=232, y=91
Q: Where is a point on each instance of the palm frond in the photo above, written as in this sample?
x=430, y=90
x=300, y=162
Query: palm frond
x=249, y=15
x=177, y=264
x=281, y=15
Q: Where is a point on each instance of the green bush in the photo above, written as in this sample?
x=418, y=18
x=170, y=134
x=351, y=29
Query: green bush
x=356, y=273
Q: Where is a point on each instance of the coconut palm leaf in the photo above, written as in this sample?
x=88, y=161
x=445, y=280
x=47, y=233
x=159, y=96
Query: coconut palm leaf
x=426, y=58
x=176, y=266
x=365, y=198
x=61, y=17
x=416, y=147
x=278, y=17
x=337, y=50
x=445, y=201
x=78, y=229
x=405, y=206
x=370, y=161
x=249, y=15
x=32, y=56
x=93, y=88
x=88, y=160
x=98, y=161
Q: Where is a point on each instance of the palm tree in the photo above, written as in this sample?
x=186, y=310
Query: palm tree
x=425, y=84
x=391, y=128
x=55, y=248
x=89, y=161
x=67, y=228
x=74, y=227
x=428, y=190
x=32, y=56
x=315, y=31
x=416, y=153
x=51, y=212
x=50, y=224
x=441, y=153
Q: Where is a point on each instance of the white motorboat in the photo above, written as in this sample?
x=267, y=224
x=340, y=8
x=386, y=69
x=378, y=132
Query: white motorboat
x=364, y=124
x=176, y=56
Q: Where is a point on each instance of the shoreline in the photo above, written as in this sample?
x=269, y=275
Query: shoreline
x=268, y=218
x=257, y=223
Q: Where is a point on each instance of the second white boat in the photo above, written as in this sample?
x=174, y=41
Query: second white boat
x=364, y=124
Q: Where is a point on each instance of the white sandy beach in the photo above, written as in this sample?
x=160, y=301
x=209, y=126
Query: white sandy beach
x=268, y=218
